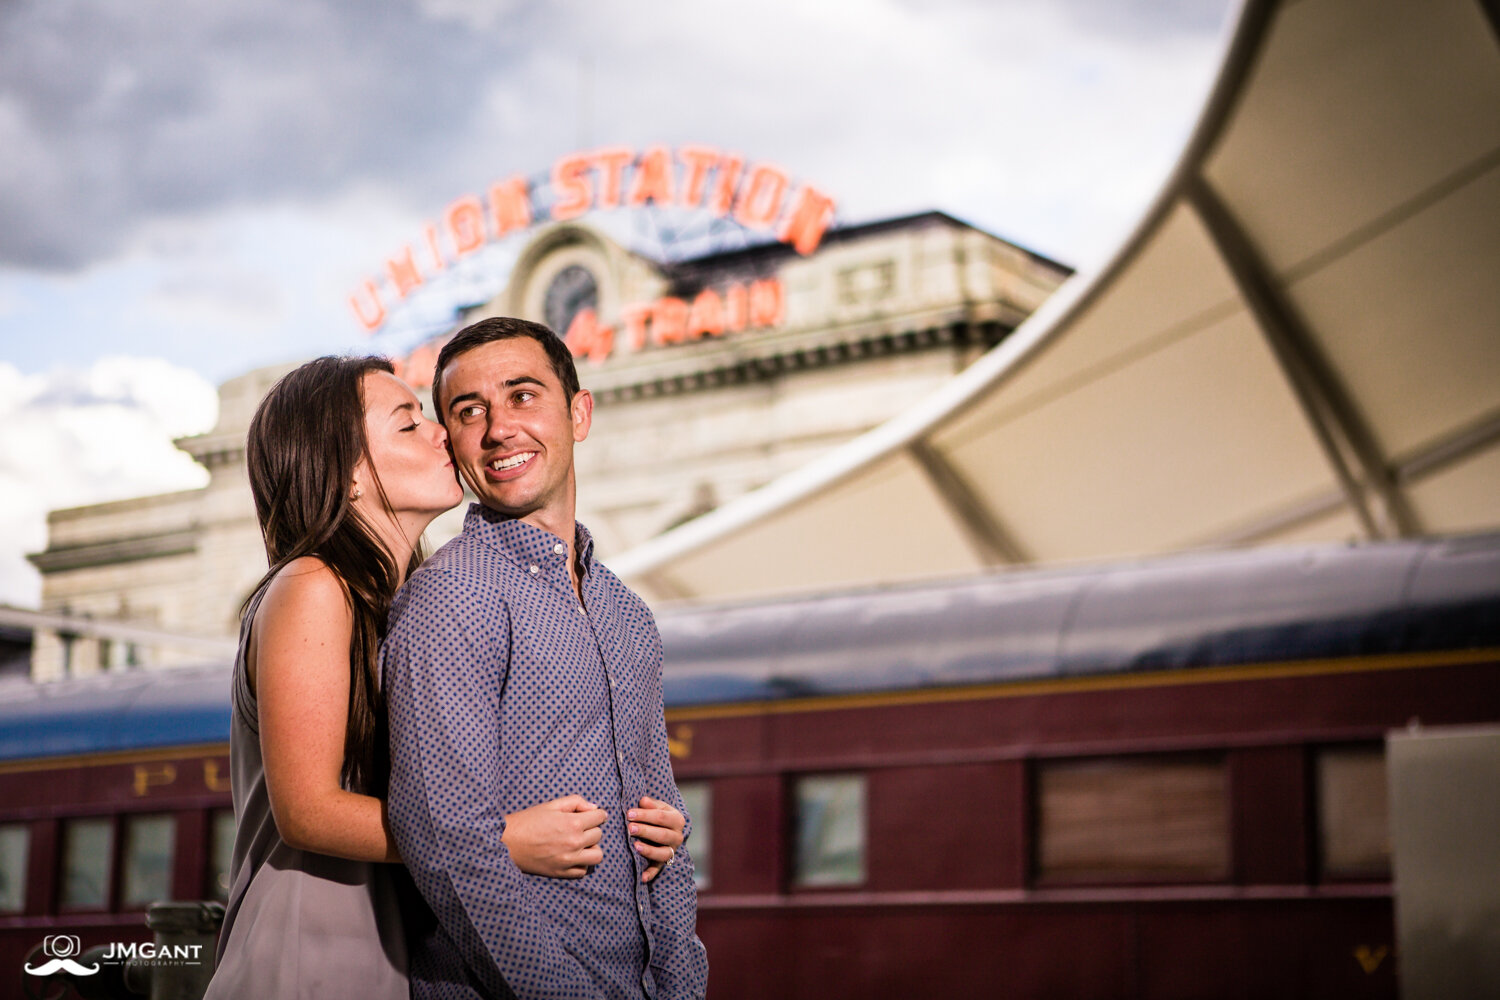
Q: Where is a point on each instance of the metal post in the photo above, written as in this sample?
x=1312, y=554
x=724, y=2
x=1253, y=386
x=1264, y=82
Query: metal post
x=183, y=929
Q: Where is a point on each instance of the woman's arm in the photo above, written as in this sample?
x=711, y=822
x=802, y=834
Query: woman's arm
x=299, y=661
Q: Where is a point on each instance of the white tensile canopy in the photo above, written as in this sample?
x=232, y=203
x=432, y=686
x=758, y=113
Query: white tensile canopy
x=1300, y=341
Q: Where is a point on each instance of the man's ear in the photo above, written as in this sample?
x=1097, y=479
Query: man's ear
x=582, y=408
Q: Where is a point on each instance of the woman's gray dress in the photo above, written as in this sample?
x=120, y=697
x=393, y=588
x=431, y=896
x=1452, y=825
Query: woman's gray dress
x=298, y=924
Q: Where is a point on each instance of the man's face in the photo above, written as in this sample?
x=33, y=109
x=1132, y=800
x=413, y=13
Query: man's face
x=512, y=430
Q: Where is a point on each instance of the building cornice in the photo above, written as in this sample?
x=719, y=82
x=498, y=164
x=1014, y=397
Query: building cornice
x=213, y=451
x=183, y=541
x=736, y=361
x=92, y=510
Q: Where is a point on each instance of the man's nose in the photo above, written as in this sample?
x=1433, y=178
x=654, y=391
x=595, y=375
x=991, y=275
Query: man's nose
x=498, y=428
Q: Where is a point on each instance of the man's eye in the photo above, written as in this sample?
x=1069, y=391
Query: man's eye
x=468, y=412
x=524, y=396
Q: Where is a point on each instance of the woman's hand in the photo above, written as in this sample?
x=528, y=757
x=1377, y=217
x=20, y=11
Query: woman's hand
x=656, y=832
x=557, y=839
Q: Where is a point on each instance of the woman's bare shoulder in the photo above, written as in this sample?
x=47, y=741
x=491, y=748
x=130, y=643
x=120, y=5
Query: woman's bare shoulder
x=308, y=578
x=306, y=591
x=305, y=608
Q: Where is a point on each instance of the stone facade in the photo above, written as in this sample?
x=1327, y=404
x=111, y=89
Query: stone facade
x=178, y=562
x=878, y=318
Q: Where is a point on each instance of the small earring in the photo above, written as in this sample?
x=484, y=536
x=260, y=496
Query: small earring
x=359, y=491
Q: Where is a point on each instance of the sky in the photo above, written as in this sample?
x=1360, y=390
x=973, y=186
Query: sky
x=189, y=191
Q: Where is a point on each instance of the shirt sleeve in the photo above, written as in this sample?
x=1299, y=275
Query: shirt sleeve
x=679, y=963
x=444, y=664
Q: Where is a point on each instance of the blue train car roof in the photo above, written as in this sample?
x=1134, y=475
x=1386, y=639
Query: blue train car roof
x=133, y=710
x=1182, y=612
x=1209, y=609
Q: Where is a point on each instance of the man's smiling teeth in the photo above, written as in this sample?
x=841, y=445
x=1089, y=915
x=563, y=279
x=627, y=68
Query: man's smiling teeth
x=501, y=464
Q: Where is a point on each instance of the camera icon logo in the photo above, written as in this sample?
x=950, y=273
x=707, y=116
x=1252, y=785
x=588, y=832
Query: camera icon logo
x=60, y=949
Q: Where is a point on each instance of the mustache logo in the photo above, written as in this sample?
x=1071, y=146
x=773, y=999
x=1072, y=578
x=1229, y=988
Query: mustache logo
x=61, y=965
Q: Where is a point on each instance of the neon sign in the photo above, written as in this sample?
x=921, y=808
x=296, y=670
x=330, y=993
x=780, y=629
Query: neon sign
x=758, y=196
x=714, y=312
x=669, y=320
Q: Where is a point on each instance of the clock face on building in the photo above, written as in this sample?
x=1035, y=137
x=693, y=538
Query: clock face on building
x=573, y=289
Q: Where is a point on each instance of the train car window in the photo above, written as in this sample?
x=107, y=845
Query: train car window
x=830, y=816
x=1153, y=819
x=1354, y=834
x=88, y=845
x=698, y=799
x=220, y=853
x=15, y=850
x=149, y=842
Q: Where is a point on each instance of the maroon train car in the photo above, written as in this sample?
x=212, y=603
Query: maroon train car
x=1148, y=780
x=1154, y=780
x=114, y=793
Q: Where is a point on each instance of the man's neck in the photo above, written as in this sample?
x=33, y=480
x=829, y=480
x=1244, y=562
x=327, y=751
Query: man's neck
x=557, y=519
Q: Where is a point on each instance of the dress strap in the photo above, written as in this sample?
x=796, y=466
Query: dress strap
x=244, y=698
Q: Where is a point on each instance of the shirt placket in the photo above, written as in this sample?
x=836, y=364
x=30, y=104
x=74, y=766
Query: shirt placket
x=559, y=578
x=630, y=788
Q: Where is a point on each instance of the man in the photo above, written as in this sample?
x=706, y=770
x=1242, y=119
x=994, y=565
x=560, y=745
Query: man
x=518, y=669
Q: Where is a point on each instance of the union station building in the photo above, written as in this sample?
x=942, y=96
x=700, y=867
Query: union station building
x=713, y=375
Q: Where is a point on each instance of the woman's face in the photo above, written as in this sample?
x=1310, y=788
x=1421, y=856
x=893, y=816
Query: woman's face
x=409, y=452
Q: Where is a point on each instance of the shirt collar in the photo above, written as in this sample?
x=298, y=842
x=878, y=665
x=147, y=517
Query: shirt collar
x=522, y=543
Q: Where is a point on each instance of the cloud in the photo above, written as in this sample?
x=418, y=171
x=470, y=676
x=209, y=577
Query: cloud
x=1143, y=19
x=215, y=297
x=115, y=115
x=237, y=289
x=78, y=436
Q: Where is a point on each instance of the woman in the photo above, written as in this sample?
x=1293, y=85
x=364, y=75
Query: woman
x=346, y=473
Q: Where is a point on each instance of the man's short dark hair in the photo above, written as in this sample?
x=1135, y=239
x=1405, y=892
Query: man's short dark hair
x=504, y=328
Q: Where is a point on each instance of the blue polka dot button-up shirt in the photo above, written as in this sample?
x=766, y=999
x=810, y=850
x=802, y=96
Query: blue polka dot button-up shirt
x=504, y=691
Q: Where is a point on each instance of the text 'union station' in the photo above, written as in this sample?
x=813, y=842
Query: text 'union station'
x=761, y=197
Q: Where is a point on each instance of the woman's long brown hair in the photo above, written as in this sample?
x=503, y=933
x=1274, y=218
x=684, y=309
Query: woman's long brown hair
x=305, y=441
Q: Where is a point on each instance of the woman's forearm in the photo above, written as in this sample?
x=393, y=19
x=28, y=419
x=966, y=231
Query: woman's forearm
x=338, y=823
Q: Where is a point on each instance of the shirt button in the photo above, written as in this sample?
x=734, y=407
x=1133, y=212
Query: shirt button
x=534, y=570
x=559, y=548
